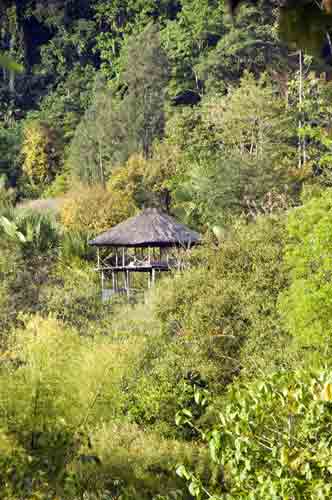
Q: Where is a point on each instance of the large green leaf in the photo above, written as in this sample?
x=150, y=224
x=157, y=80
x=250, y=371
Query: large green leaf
x=9, y=63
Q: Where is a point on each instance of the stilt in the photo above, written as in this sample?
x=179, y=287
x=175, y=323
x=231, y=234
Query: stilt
x=98, y=259
x=153, y=277
x=102, y=284
x=113, y=281
x=128, y=284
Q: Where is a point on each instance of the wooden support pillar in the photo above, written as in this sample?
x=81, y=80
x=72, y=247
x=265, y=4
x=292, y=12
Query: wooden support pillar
x=116, y=258
x=123, y=258
x=153, y=277
x=98, y=259
x=102, y=281
x=113, y=281
x=128, y=283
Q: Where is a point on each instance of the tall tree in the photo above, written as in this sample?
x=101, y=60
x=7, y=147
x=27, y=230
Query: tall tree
x=146, y=76
x=40, y=152
x=93, y=147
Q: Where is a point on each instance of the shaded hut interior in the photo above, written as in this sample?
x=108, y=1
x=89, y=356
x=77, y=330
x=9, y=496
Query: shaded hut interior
x=151, y=242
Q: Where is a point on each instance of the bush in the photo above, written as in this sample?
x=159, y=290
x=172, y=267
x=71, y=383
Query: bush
x=138, y=464
x=271, y=439
x=228, y=304
x=306, y=306
x=73, y=296
x=93, y=209
x=55, y=386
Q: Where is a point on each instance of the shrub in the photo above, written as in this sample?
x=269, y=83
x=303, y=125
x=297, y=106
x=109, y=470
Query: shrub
x=228, y=303
x=94, y=209
x=73, y=296
x=271, y=439
x=142, y=462
x=55, y=386
x=306, y=305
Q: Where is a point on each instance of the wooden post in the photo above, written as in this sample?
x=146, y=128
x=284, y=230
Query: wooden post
x=113, y=281
x=102, y=281
x=98, y=259
x=124, y=285
x=116, y=258
x=153, y=277
x=128, y=283
x=123, y=258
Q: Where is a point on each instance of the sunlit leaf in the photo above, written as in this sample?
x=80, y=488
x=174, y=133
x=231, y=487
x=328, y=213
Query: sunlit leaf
x=9, y=64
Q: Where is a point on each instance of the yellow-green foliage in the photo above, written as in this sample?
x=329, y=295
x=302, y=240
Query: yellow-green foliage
x=63, y=379
x=38, y=152
x=230, y=298
x=142, y=461
x=129, y=179
x=306, y=304
x=94, y=209
x=147, y=181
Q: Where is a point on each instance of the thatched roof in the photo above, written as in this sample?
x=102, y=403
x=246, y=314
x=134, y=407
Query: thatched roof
x=151, y=228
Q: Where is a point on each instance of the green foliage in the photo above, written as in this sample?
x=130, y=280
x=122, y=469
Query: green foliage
x=36, y=232
x=10, y=144
x=305, y=25
x=105, y=209
x=226, y=308
x=306, y=304
x=94, y=143
x=73, y=295
x=246, y=151
x=246, y=45
x=270, y=440
x=61, y=386
x=169, y=104
x=40, y=152
x=146, y=76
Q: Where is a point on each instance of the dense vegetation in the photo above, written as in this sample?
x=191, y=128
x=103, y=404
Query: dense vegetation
x=219, y=385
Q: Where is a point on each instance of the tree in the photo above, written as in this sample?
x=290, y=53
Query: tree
x=250, y=42
x=148, y=182
x=305, y=24
x=10, y=144
x=145, y=75
x=39, y=152
x=95, y=140
x=244, y=149
x=188, y=40
x=93, y=209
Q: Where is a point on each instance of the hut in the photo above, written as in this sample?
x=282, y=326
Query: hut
x=147, y=243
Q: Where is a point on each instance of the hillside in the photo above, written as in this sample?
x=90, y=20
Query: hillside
x=216, y=382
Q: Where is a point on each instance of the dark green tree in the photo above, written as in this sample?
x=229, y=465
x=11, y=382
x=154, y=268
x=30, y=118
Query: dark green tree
x=146, y=76
x=95, y=138
x=250, y=42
